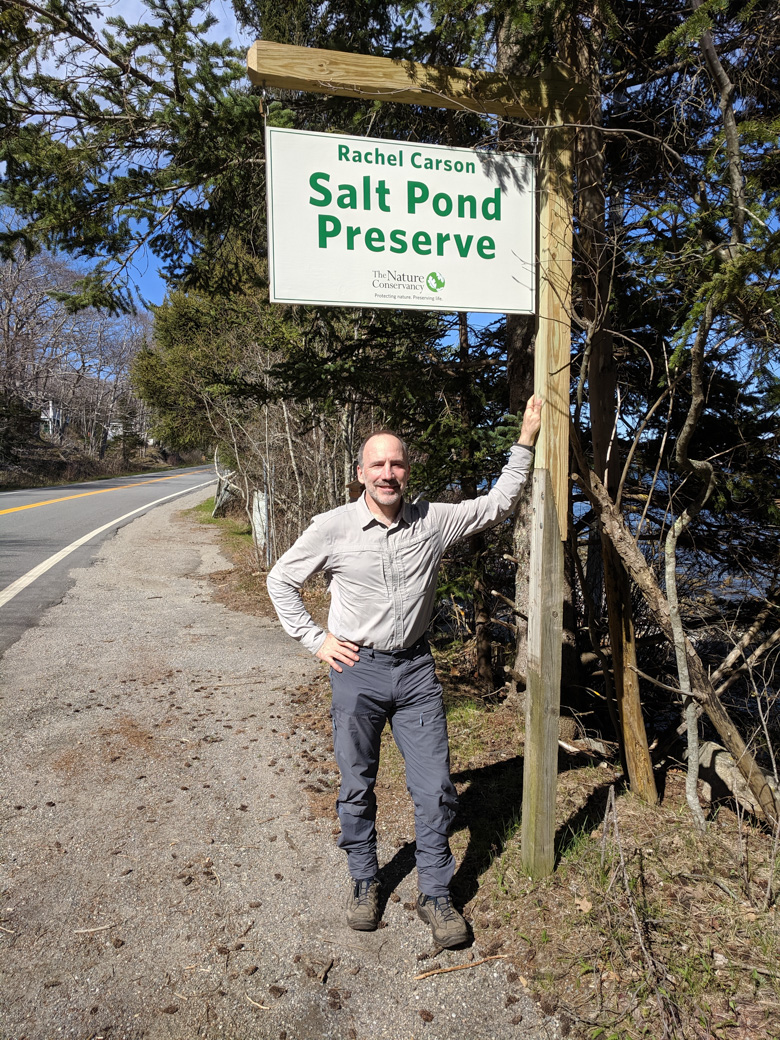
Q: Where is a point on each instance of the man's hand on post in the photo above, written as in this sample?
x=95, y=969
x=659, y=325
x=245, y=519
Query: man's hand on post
x=334, y=650
x=532, y=421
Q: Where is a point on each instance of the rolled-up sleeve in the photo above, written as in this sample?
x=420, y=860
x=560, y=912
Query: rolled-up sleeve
x=307, y=556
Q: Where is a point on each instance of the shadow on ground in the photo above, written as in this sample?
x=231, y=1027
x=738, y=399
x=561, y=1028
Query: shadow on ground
x=491, y=810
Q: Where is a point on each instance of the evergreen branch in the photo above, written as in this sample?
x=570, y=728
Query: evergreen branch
x=71, y=27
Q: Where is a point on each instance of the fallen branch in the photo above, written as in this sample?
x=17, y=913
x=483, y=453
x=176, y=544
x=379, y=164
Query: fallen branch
x=255, y=1004
x=505, y=599
x=661, y=686
x=226, y=489
x=712, y=881
x=720, y=777
x=461, y=967
x=572, y=749
x=744, y=641
x=593, y=748
x=504, y=624
x=90, y=931
x=702, y=689
x=513, y=674
x=749, y=662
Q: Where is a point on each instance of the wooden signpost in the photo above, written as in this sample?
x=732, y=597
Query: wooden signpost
x=558, y=100
x=549, y=501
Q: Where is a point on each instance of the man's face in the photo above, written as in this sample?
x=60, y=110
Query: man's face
x=385, y=470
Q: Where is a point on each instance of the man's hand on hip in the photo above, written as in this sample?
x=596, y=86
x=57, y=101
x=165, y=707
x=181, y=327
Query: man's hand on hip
x=334, y=650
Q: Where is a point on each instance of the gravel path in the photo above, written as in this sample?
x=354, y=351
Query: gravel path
x=162, y=874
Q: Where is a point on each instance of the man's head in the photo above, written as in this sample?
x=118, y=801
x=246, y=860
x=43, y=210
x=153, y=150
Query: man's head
x=383, y=467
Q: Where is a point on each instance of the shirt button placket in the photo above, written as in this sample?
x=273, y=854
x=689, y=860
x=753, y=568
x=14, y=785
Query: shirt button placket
x=397, y=617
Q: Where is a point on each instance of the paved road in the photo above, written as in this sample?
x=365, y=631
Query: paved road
x=47, y=532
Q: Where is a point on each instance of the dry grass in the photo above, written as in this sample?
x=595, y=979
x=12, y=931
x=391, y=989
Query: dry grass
x=645, y=929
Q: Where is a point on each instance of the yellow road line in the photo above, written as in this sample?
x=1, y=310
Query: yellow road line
x=85, y=494
x=16, y=587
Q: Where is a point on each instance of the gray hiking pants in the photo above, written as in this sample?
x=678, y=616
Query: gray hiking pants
x=399, y=686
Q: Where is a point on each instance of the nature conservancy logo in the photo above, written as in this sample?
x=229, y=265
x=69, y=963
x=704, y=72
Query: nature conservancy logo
x=403, y=283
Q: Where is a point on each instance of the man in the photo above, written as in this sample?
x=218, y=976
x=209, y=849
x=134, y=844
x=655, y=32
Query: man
x=381, y=555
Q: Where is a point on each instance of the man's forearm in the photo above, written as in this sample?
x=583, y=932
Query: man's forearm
x=293, y=615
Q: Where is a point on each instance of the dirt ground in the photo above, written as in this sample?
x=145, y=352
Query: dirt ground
x=645, y=929
x=167, y=862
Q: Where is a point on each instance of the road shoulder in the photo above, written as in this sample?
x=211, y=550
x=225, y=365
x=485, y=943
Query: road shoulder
x=162, y=872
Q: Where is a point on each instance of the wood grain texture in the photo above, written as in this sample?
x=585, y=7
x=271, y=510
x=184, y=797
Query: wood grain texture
x=553, y=337
x=543, y=695
x=550, y=501
x=414, y=83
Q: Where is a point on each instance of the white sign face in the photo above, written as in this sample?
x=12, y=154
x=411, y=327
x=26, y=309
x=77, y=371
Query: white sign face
x=361, y=222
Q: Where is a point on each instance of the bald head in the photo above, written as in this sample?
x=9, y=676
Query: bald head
x=382, y=433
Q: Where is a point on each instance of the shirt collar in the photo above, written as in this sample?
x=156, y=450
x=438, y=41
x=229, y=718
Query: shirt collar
x=367, y=517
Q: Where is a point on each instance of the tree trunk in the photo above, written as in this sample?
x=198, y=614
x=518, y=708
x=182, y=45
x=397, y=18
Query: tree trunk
x=705, y=471
x=483, y=644
x=702, y=689
x=633, y=734
x=602, y=386
x=520, y=374
x=294, y=465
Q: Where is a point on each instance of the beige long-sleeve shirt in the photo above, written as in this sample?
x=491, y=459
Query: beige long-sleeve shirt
x=383, y=579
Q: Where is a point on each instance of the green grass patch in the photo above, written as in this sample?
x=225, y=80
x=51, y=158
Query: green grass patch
x=236, y=528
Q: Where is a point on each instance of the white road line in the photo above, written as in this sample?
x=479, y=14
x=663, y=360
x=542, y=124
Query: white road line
x=16, y=587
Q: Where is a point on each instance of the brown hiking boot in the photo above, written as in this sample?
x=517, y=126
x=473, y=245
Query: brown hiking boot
x=448, y=927
x=363, y=905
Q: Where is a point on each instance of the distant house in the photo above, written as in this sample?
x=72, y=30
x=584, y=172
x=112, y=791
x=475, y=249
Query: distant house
x=52, y=420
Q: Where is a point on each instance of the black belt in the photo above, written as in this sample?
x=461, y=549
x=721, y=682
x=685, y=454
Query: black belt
x=420, y=647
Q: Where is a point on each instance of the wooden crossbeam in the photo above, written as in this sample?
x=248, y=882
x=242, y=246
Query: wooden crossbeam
x=415, y=83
